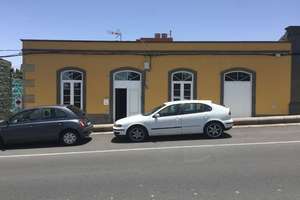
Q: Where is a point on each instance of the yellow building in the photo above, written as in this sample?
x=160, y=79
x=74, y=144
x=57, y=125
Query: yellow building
x=113, y=79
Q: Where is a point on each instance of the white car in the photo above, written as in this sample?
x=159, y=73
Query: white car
x=174, y=118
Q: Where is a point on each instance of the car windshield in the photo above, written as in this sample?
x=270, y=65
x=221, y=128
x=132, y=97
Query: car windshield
x=153, y=110
x=76, y=110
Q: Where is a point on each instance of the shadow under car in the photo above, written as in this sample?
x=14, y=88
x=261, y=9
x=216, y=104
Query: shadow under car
x=37, y=145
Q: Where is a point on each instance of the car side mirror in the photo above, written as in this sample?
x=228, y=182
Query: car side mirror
x=157, y=115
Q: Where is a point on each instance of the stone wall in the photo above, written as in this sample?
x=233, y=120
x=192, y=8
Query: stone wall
x=5, y=88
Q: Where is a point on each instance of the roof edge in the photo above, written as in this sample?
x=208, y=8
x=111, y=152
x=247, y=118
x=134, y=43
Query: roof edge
x=131, y=41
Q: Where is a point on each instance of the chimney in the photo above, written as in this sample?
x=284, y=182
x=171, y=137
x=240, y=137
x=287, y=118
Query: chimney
x=164, y=35
x=158, y=37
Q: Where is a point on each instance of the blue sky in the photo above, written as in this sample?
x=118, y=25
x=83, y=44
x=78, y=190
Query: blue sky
x=216, y=20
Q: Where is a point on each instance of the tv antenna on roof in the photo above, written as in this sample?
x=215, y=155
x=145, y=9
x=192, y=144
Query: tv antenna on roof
x=117, y=34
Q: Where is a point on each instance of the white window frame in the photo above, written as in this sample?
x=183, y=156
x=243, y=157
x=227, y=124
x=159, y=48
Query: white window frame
x=182, y=85
x=72, y=82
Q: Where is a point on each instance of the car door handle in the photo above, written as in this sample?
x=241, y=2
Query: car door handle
x=59, y=124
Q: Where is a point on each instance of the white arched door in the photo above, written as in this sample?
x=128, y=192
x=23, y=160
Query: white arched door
x=238, y=93
x=127, y=94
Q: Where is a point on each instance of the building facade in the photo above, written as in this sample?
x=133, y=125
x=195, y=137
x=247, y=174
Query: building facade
x=113, y=79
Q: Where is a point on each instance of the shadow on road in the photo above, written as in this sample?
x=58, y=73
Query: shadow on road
x=37, y=145
x=171, y=138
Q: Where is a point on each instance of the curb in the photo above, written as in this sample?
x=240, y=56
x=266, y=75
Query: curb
x=267, y=120
x=102, y=127
x=236, y=121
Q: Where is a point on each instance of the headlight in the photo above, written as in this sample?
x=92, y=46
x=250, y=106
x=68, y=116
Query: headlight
x=117, y=125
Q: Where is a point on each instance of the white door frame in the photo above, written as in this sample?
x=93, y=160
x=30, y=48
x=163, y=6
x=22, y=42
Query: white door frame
x=129, y=85
x=251, y=84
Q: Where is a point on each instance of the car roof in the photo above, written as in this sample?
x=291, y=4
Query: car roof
x=53, y=106
x=188, y=101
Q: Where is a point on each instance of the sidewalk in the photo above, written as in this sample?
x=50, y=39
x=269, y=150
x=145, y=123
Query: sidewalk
x=237, y=121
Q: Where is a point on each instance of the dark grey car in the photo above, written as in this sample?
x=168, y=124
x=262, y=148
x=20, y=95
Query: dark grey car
x=66, y=124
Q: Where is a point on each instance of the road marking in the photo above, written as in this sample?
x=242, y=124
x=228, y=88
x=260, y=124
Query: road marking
x=239, y=126
x=147, y=149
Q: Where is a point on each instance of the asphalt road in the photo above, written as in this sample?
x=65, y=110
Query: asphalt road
x=249, y=163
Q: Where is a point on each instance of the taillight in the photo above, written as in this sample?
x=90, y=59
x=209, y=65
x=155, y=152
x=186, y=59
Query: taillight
x=81, y=123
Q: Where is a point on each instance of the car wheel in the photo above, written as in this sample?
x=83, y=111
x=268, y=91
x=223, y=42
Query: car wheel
x=69, y=138
x=137, y=134
x=214, y=130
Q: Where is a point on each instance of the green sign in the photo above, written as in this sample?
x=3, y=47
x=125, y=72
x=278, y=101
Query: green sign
x=17, y=93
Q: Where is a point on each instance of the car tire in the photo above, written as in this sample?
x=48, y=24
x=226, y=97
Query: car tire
x=214, y=130
x=69, y=138
x=137, y=134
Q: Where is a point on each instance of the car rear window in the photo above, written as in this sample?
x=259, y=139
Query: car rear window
x=53, y=113
x=189, y=108
x=60, y=114
x=76, y=110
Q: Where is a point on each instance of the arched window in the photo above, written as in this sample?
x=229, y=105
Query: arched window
x=127, y=76
x=237, y=76
x=182, y=85
x=72, y=88
x=71, y=75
